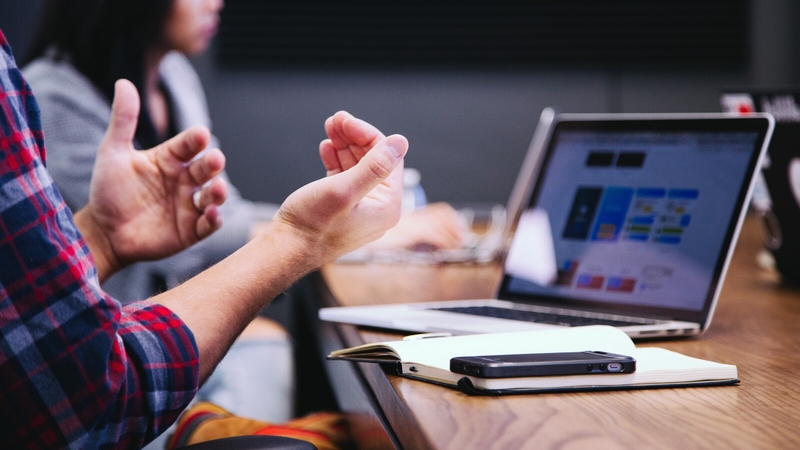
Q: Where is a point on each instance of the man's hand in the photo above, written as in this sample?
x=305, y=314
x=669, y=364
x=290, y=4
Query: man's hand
x=141, y=203
x=437, y=226
x=358, y=201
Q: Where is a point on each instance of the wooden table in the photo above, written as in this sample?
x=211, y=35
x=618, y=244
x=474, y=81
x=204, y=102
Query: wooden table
x=756, y=327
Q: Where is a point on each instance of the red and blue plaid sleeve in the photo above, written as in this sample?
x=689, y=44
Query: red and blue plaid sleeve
x=77, y=370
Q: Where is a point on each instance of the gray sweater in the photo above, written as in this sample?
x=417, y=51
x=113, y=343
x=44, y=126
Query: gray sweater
x=74, y=119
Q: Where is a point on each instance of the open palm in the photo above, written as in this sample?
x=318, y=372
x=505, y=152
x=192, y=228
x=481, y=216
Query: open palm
x=142, y=200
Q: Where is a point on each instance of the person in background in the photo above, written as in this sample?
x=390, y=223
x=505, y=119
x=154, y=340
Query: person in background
x=80, y=49
x=79, y=369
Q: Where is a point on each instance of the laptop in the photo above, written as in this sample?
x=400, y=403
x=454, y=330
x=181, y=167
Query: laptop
x=776, y=197
x=637, y=216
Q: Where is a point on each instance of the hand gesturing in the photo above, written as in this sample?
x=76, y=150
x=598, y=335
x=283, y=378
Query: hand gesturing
x=359, y=200
x=141, y=202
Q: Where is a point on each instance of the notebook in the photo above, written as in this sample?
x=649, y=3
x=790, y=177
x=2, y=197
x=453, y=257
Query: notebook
x=776, y=197
x=429, y=360
x=629, y=221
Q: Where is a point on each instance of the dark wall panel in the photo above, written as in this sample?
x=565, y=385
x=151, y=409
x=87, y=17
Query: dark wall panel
x=699, y=33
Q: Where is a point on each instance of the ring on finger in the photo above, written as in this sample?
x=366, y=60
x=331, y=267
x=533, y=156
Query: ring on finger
x=196, y=200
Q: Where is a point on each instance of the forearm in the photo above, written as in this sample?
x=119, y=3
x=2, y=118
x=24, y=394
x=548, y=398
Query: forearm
x=218, y=303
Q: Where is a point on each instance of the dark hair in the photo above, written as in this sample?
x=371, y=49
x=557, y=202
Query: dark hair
x=106, y=40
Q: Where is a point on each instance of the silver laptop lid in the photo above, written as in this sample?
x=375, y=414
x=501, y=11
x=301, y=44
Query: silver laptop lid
x=643, y=212
x=520, y=194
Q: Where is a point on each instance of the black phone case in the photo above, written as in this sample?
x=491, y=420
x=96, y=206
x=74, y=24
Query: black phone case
x=555, y=364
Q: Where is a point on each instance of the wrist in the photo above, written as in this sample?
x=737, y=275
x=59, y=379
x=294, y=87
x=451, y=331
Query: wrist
x=99, y=245
x=303, y=248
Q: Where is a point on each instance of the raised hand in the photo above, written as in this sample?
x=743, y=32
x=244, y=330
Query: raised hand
x=361, y=197
x=146, y=205
x=437, y=226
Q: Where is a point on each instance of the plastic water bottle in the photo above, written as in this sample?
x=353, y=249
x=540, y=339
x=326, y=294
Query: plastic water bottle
x=413, y=194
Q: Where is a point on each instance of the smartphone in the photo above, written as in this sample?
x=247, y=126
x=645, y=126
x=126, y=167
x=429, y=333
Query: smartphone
x=542, y=364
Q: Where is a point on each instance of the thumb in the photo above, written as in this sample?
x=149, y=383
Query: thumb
x=124, y=116
x=376, y=166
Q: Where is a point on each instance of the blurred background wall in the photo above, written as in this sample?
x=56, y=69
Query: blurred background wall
x=469, y=119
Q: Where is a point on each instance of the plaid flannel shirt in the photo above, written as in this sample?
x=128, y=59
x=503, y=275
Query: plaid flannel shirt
x=77, y=370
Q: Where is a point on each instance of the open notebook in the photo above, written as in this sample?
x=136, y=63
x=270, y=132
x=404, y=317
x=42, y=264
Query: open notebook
x=628, y=220
x=429, y=360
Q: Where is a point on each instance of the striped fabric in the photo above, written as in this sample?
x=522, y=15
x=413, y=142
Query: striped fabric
x=77, y=370
x=205, y=421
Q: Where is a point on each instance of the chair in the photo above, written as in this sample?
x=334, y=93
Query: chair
x=253, y=443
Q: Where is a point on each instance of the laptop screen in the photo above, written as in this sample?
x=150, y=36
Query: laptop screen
x=641, y=213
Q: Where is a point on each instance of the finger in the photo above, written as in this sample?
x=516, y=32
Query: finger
x=207, y=167
x=209, y=222
x=376, y=167
x=333, y=128
x=184, y=146
x=430, y=228
x=449, y=218
x=451, y=237
x=346, y=159
x=214, y=193
x=351, y=138
x=442, y=235
x=363, y=134
x=329, y=159
x=124, y=117
x=349, y=132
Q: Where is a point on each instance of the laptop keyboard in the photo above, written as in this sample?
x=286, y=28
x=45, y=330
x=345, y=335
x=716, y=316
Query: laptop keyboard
x=540, y=317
